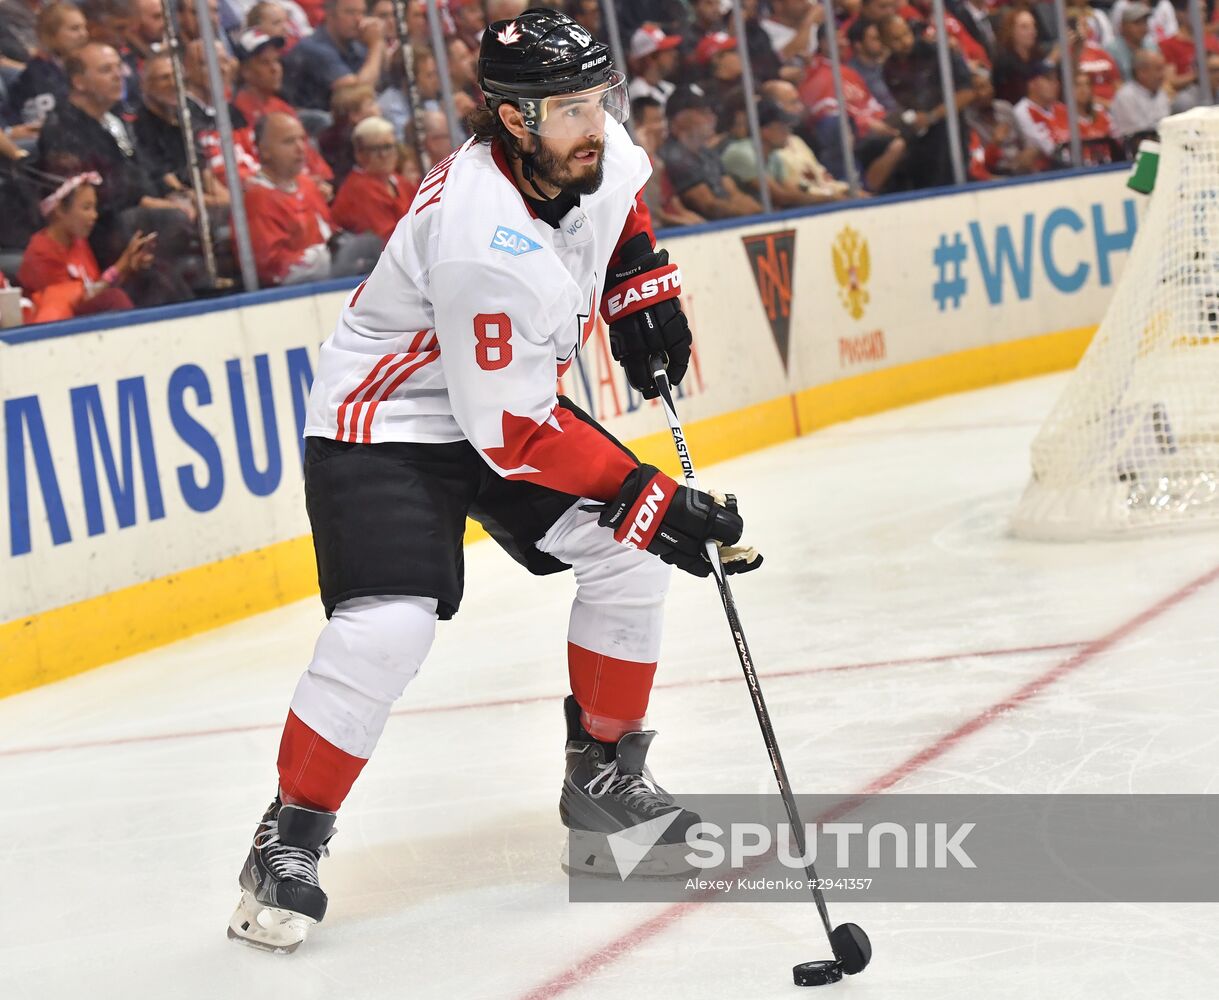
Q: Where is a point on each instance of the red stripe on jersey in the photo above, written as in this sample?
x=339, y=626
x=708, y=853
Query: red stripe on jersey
x=574, y=458
x=608, y=687
x=402, y=376
x=313, y=771
x=351, y=396
x=371, y=387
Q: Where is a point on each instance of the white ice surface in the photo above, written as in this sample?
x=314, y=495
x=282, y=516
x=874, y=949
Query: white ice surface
x=128, y=795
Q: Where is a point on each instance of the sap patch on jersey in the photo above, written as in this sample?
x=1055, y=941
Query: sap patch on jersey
x=510, y=241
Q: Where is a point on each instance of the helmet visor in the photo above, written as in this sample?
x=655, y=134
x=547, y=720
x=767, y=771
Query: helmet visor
x=570, y=116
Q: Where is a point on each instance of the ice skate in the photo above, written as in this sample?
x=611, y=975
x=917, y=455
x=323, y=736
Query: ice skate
x=608, y=790
x=280, y=894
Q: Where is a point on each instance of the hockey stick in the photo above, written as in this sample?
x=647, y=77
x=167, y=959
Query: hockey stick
x=852, y=950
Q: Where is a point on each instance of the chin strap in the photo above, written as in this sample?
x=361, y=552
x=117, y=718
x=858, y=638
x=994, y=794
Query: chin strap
x=527, y=173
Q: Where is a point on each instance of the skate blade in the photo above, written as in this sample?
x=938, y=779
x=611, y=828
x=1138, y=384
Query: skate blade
x=266, y=927
x=588, y=854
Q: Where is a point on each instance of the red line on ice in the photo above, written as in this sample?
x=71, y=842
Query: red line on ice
x=534, y=699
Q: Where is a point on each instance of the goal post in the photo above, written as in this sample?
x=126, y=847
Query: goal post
x=1132, y=445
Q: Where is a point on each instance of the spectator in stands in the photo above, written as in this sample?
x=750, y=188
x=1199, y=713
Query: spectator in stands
x=792, y=27
x=202, y=106
x=721, y=63
x=921, y=17
x=1179, y=50
x=82, y=135
x=393, y=100
x=470, y=22
x=463, y=75
x=146, y=31
x=1163, y=23
x=158, y=137
x=997, y=147
x=695, y=171
x=110, y=22
x=1094, y=24
x=59, y=271
x=912, y=72
x=654, y=62
x=279, y=19
x=437, y=141
x=289, y=221
x=18, y=32
x=878, y=11
x=1095, y=125
x=587, y=14
x=1018, y=54
x=1141, y=103
x=762, y=57
x=785, y=94
x=651, y=131
x=348, y=48
x=43, y=83
x=708, y=18
x=374, y=196
x=1133, y=35
x=868, y=55
x=349, y=106
x=383, y=11
x=810, y=184
x=878, y=146
x=1042, y=117
x=1191, y=96
x=188, y=20
x=974, y=17
x=261, y=73
x=1102, y=71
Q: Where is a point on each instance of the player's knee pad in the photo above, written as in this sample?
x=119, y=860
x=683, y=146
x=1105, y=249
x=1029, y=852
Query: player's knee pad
x=369, y=651
x=623, y=576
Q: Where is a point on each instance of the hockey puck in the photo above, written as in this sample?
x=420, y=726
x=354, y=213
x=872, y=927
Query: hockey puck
x=817, y=973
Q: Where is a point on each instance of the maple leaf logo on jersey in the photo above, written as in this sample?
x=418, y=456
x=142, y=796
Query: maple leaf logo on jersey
x=509, y=35
x=524, y=436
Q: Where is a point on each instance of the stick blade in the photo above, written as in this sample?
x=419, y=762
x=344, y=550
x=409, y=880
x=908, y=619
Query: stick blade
x=852, y=947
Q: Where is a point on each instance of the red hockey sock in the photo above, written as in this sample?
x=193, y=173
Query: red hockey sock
x=313, y=772
x=613, y=693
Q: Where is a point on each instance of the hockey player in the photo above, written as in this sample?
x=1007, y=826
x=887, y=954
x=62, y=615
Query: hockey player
x=435, y=398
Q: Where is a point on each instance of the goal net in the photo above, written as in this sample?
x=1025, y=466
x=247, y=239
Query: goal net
x=1132, y=445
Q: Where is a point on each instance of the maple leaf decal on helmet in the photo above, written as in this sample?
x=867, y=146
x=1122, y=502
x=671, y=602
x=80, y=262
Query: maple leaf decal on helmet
x=509, y=35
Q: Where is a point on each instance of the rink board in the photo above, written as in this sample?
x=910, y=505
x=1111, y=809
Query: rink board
x=151, y=478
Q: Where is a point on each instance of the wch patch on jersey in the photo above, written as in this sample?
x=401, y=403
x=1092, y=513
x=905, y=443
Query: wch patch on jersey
x=510, y=241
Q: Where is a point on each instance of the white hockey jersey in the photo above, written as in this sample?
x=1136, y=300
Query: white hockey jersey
x=473, y=309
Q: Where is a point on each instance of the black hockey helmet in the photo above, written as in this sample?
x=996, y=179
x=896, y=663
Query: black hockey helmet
x=542, y=54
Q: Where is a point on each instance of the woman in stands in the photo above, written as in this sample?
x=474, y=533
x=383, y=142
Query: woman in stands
x=1018, y=52
x=62, y=30
x=59, y=272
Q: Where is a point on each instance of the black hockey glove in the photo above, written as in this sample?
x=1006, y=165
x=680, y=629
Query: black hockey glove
x=644, y=315
x=673, y=522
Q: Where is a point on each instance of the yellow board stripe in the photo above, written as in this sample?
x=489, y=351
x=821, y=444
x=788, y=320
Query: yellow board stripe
x=65, y=641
